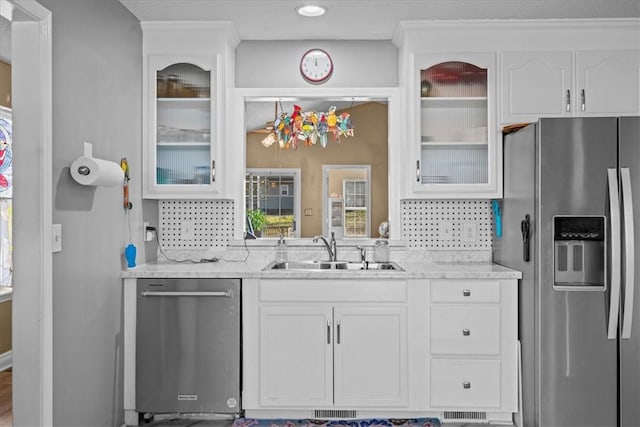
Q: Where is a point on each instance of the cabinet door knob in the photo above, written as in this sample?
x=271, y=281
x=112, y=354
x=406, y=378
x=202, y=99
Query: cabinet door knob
x=466, y=332
x=466, y=384
x=466, y=292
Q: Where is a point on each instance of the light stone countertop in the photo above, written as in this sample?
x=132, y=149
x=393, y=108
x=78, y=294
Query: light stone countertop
x=246, y=260
x=253, y=269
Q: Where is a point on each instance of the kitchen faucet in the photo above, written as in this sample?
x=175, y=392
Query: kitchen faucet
x=332, y=248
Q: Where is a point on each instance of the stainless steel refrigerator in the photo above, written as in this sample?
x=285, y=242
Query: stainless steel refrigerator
x=571, y=196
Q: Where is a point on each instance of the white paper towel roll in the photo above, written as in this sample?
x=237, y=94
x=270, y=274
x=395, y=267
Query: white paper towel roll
x=92, y=171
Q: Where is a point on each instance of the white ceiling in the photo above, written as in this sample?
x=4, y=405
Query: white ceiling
x=365, y=19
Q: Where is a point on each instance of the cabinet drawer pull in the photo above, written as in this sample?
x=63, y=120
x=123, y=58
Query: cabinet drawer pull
x=338, y=336
x=466, y=292
x=466, y=332
x=466, y=384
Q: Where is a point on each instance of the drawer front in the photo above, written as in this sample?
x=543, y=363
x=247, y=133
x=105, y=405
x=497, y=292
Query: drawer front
x=465, y=291
x=333, y=290
x=465, y=330
x=465, y=383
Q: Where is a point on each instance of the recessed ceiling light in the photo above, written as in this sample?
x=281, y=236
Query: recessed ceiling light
x=311, y=10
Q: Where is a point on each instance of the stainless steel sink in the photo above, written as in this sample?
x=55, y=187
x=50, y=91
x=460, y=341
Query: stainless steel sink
x=302, y=265
x=373, y=266
x=331, y=265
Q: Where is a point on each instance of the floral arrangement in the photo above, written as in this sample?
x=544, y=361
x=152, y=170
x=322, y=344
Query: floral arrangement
x=309, y=128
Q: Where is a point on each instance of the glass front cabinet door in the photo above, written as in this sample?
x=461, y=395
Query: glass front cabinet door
x=458, y=152
x=181, y=131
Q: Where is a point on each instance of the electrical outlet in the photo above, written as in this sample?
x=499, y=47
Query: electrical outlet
x=56, y=241
x=149, y=232
x=187, y=230
x=469, y=232
x=445, y=230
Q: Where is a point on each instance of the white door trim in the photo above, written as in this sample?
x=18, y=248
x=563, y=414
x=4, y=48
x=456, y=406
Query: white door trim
x=32, y=46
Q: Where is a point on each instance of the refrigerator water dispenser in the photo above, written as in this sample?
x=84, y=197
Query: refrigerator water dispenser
x=579, y=252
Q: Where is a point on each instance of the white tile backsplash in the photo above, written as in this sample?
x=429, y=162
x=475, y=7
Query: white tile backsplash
x=447, y=224
x=460, y=225
x=211, y=223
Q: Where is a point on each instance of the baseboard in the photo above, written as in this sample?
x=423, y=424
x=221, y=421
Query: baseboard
x=6, y=360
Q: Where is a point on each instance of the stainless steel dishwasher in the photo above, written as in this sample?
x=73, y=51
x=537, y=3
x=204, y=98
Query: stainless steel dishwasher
x=188, y=346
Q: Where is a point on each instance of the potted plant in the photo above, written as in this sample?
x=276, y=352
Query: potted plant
x=258, y=221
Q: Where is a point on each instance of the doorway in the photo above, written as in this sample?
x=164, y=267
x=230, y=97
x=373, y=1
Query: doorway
x=31, y=87
x=346, y=196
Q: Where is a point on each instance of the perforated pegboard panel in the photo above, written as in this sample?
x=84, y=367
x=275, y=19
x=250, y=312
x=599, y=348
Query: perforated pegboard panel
x=212, y=223
x=447, y=224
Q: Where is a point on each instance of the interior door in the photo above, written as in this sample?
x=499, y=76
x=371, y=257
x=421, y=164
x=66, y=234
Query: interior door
x=629, y=132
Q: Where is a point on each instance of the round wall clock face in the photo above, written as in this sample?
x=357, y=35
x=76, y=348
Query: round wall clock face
x=316, y=65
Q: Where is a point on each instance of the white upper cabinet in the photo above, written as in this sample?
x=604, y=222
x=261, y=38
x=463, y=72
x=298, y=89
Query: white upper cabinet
x=510, y=71
x=568, y=84
x=536, y=84
x=607, y=82
x=180, y=148
x=455, y=134
x=186, y=73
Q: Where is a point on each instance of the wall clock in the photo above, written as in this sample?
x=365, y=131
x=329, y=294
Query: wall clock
x=316, y=65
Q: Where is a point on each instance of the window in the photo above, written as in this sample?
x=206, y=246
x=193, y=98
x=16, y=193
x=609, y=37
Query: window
x=355, y=208
x=276, y=193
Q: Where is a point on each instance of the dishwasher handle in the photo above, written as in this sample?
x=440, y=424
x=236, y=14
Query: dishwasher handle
x=225, y=294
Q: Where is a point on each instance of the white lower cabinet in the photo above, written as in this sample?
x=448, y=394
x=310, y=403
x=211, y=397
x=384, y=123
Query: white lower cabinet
x=295, y=356
x=354, y=348
x=465, y=383
x=370, y=356
x=324, y=355
x=324, y=345
x=473, y=369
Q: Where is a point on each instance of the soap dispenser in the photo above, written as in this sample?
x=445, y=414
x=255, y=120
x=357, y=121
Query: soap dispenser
x=281, y=250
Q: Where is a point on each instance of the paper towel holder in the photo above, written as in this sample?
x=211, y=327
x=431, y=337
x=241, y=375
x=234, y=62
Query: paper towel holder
x=87, y=170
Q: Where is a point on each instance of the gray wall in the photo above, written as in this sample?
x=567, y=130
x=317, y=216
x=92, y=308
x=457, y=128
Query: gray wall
x=97, y=69
x=359, y=63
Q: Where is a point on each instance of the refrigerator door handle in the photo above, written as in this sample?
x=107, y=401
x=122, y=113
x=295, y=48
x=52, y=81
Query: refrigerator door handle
x=614, y=292
x=629, y=251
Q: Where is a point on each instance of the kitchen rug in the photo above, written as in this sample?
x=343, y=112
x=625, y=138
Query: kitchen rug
x=368, y=422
